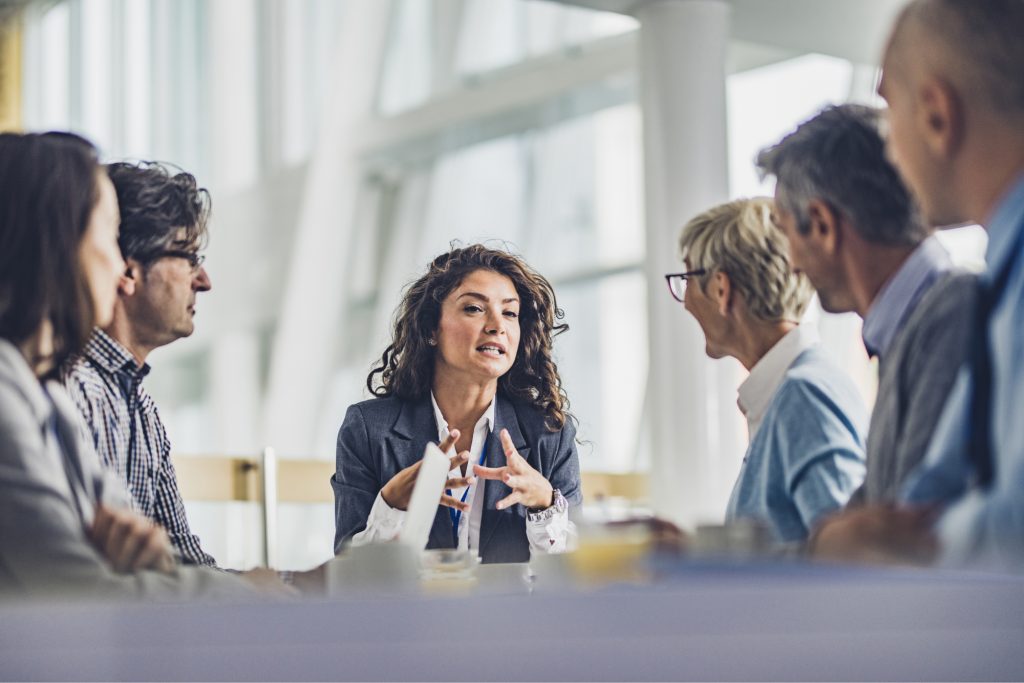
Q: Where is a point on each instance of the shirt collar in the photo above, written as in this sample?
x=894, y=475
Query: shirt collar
x=112, y=356
x=900, y=294
x=487, y=419
x=765, y=377
x=1003, y=227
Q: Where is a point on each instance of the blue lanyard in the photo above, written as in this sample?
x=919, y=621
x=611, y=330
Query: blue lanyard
x=456, y=515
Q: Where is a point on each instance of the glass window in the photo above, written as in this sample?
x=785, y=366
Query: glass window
x=500, y=33
x=602, y=360
x=53, y=57
x=137, y=67
x=96, y=73
x=405, y=80
x=768, y=102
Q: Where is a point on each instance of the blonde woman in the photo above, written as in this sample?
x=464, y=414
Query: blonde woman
x=806, y=420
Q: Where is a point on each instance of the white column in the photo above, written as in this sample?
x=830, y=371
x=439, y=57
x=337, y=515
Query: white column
x=682, y=75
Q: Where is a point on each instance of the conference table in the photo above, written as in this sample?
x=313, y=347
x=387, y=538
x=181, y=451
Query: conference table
x=690, y=620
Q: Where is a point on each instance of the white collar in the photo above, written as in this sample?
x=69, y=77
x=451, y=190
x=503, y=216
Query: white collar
x=487, y=419
x=765, y=377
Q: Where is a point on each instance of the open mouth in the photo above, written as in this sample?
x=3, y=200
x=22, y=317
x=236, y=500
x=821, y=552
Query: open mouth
x=495, y=350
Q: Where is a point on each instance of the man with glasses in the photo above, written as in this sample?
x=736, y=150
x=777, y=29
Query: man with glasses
x=163, y=229
x=952, y=78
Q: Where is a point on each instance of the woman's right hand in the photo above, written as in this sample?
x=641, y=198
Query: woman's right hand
x=131, y=542
x=398, y=490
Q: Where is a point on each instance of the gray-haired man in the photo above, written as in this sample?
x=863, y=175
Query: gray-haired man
x=163, y=227
x=854, y=230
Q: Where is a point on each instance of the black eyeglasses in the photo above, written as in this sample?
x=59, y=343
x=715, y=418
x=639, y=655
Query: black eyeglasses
x=677, y=282
x=195, y=259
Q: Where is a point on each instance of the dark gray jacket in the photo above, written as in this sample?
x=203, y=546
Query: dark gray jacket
x=915, y=379
x=382, y=436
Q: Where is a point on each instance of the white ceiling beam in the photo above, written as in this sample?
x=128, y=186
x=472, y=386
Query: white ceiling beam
x=851, y=29
x=507, y=101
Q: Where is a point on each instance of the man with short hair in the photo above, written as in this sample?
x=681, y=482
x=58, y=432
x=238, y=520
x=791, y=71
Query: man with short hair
x=805, y=417
x=954, y=80
x=163, y=229
x=853, y=229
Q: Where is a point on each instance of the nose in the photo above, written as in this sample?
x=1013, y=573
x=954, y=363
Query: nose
x=201, y=280
x=495, y=323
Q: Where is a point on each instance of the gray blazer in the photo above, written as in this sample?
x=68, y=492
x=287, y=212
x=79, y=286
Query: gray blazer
x=51, y=481
x=381, y=436
x=915, y=379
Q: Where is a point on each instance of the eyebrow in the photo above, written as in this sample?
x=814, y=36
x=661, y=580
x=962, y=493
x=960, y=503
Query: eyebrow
x=481, y=297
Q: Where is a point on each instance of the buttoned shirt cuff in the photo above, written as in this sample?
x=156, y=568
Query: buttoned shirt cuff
x=382, y=525
x=557, y=534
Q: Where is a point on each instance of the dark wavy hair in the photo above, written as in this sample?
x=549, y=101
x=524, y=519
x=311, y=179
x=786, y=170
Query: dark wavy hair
x=156, y=201
x=406, y=368
x=48, y=189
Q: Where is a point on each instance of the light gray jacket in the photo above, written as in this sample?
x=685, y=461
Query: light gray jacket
x=915, y=379
x=51, y=481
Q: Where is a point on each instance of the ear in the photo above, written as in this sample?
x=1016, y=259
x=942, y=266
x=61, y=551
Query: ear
x=720, y=289
x=825, y=230
x=940, y=117
x=129, y=278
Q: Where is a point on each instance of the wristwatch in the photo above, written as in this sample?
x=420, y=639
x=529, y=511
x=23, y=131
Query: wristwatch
x=558, y=505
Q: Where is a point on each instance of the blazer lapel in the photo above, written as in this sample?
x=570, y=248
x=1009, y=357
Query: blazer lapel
x=494, y=491
x=412, y=431
x=84, y=488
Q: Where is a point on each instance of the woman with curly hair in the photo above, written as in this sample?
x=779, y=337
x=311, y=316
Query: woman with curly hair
x=470, y=366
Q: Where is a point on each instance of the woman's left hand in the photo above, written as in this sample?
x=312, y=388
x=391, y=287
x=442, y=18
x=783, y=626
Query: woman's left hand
x=529, y=487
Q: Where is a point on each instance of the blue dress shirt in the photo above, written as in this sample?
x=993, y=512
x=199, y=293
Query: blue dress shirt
x=807, y=457
x=985, y=527
x=899, y=296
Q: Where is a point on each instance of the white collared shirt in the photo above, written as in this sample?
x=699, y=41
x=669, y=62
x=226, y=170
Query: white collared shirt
x=469, y=534
x=765, y=377
x=554, y=535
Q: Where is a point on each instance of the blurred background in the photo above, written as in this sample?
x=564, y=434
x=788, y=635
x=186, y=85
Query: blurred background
x=347, y=142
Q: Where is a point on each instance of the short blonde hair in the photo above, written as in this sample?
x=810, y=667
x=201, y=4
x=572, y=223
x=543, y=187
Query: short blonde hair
x=741, y=240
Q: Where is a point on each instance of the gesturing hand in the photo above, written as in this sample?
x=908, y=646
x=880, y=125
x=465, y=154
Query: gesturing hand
x=131, y=542
x=529, y=487
x=398, y=490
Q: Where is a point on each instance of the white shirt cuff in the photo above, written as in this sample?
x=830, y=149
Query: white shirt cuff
x=382, y=525
x=556, y=534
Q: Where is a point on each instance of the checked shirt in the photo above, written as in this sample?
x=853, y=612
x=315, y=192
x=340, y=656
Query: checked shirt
x=124, y=424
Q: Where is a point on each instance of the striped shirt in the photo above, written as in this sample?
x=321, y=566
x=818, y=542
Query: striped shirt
x=124, y=424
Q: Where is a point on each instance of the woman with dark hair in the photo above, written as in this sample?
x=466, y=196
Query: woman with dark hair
x=470, y=366
x=65, y=525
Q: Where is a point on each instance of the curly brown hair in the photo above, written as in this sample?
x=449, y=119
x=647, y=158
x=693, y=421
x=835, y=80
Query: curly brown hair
x=406, y=367
x=156, y=201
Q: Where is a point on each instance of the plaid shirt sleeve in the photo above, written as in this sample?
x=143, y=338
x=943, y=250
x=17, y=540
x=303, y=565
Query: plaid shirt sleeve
x=169, y=510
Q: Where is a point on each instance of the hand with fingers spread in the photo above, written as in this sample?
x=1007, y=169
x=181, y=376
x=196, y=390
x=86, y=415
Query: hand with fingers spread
x=398, y=490
x=529, y=487
x=131, y=542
